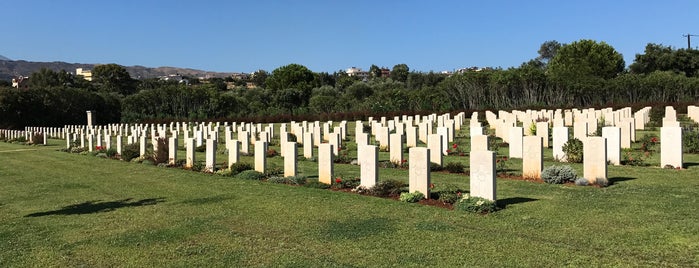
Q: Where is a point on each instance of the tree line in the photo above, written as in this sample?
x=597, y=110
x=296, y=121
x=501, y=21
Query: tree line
x=584, y=73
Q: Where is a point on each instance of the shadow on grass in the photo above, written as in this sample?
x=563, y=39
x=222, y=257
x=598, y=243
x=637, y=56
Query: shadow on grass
x=687, y=165
x=357, y=229
x=614, y=180
x=503, y=203
x=97, y=206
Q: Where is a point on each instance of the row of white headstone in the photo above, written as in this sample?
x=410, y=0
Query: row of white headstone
x=617, y=134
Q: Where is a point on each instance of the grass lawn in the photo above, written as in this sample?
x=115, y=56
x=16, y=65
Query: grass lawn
x=63, y=210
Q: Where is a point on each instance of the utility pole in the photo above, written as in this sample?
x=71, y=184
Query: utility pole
x=689, y=44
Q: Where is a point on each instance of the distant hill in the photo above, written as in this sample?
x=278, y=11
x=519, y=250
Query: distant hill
x=10, y=69
x=4, y=58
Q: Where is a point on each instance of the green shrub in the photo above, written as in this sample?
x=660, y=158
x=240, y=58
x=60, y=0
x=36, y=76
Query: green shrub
x=581, y=182
x=475, y=204
x=345, y=183
x=411, y=197
x=573, y=150
x=250, y=175
x=77, y=150
x=691, y=141
x=273, y=171
x=130, y=152
x=454, y=167
x=634, y=158
x=297, y=180
x=197, y=166
x=224, y=172
x=276, y=179
x=387, y=188
x=656, y=115
x=532, y=129
x=314, y=183
x=648, y=143
x=240, y=167
x=435, y=167
x=558, y=174
x=449, y=194
x=111, y=152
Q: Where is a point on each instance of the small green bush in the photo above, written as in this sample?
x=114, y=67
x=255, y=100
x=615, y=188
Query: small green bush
x=411, y=197
x=475, y=204
x=581, y=182
x=250, y=175
x=240, y=167
x=77, y=150
x=573, y=150
x=130, y=152
x=448, y=194
x=387, y=188
x=558, y=174
x=345, y=183
x=435, y=167
x=111, y=152
x=314, y=183
x=273, y=171
x=297, y=180
x=276, y=179
x=454, y=167
x=691, y=141
x=197, y=166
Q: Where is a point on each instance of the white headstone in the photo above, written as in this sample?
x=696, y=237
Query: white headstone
x=290, y=159
x=560, y=137
x=532, y=157
x=671, y=147
x=260, y=156
x=613, y=137
x=211, y=145
x=396, y=151
x=595, y=159
x=325, y=163
x=419, y=172
x=516, y=141
x=434, y=143
x=482, y=174
x=368, y=159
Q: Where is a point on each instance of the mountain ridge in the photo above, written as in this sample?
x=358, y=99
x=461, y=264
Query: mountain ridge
x=14, y=68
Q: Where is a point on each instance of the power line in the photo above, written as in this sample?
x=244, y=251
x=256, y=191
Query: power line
x=689, y=43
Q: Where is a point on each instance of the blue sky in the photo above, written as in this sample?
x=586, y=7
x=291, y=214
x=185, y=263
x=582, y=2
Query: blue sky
x=326, y=36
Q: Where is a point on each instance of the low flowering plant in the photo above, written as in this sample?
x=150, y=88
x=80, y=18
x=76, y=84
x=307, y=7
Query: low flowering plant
x=475, y=204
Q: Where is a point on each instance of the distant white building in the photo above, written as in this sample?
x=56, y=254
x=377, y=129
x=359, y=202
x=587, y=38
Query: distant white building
x=354, y=71
x=86, y=74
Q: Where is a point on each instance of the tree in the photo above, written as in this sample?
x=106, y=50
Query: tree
x=664, y=58
x=374, y=71
x=258, y=78
x=548, y=50
x=290, y=76
x=359, y=90
x=324, y=99
x=114, y=78
x=586, y=59
x=400, y=72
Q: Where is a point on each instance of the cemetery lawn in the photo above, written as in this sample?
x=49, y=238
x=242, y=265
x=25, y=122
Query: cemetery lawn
x=64, y=210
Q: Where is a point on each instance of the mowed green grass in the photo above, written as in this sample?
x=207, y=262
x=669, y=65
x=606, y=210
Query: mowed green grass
x=65, y=210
